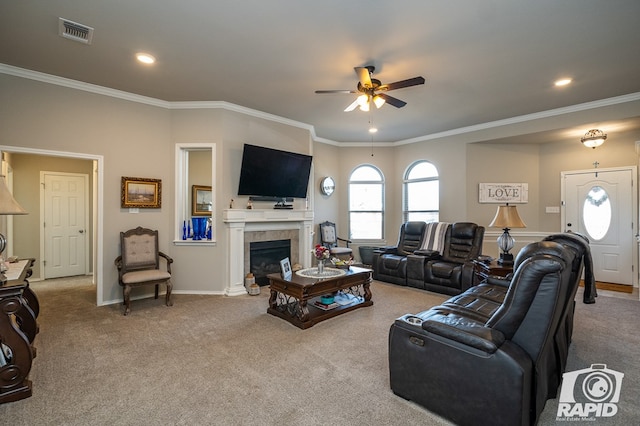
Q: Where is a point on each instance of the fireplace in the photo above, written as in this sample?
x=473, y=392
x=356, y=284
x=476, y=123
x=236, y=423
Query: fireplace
x=265, y=257
x=249, y=225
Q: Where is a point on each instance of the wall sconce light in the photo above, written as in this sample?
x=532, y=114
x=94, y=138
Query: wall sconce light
x=507, y=217
x=593, y=138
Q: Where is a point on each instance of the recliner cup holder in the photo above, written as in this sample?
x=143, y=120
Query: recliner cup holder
x=413, y=320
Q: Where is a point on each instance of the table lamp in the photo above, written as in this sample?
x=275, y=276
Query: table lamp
x=8, y=206
x=507, y=217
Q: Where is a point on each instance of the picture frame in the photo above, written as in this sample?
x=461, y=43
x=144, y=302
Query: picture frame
x=285, y=268
x=140, y=193
x=201, y=200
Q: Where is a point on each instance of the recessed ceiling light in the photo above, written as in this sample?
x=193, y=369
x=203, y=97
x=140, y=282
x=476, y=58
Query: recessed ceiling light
x=372, y=130
x=145, y=58
x=563, y=82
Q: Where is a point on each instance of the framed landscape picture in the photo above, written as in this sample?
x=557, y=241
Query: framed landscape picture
x=141, y=193
x=201, y=203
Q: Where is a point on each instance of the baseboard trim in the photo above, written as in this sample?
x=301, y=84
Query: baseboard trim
x=622, y=288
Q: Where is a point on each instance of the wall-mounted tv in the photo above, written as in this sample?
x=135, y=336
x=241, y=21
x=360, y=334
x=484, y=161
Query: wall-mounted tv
x=267, y=172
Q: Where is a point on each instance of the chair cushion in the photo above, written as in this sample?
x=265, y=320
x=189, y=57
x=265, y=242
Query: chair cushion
x=391, y=261
x=145, y=276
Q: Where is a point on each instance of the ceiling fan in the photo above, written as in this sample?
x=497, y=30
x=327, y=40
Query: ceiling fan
x=370, y=90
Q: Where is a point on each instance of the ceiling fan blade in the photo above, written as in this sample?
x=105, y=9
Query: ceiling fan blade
x=351, y=107
x=403, y=83
x=364, y=75
x=336, y=91
x=391, y=100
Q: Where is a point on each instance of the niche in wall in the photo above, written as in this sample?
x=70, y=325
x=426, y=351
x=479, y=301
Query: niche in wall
x=195, y=165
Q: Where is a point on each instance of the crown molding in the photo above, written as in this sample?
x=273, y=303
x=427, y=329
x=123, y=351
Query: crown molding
x=617, y=100
x=79, y=85
x=105, y=91
x=243, y=110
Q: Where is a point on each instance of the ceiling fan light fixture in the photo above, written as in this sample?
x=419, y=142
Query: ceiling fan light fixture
x=378, y=100
x=363, y=100
x=593, y=138
x=368, y=87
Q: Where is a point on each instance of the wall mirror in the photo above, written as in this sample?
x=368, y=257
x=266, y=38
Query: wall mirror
x=195, y=190
x=327, y=185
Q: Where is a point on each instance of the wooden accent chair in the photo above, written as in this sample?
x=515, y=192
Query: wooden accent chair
x=330, y=239
x=139, y=264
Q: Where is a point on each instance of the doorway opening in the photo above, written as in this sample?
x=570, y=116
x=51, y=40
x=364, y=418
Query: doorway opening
x=95, y=164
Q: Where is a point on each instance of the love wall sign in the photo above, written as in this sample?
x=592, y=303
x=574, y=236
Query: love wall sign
x=504, y=192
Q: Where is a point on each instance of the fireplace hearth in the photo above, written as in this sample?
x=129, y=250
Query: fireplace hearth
x=265, y=257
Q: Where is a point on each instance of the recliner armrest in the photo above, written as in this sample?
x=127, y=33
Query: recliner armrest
x=501, y=281
x=386, y=250
x=431, y=254
x=483, y=338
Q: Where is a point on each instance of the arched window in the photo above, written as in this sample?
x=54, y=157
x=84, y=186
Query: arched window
x=366, y=203
x=421, y=193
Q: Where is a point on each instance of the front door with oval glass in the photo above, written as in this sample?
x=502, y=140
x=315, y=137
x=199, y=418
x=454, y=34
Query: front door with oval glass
x=599, y=205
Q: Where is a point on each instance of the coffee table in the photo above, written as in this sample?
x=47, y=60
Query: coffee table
x=294, y=299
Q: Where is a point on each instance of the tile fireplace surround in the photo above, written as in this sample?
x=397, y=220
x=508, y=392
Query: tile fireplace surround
x=242, y=224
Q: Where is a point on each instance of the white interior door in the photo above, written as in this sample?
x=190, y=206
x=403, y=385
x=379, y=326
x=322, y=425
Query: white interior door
x=65, y=218
x=599, y=204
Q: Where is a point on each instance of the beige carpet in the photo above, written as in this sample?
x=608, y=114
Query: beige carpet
x=214, y=360
x=211, y=360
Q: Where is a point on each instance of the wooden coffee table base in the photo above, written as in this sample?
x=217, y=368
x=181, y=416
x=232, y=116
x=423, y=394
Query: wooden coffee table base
x=293, y=299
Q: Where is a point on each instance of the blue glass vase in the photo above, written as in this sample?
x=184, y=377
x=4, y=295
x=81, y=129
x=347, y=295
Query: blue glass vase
x=199, y=228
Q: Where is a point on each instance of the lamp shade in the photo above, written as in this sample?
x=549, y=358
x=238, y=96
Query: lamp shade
x=507, y=217
x=8, y=205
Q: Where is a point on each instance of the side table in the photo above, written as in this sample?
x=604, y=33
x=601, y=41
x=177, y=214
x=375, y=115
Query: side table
x=493, y=268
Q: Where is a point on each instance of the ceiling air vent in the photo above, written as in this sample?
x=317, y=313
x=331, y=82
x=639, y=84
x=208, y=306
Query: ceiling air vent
x=74, y=31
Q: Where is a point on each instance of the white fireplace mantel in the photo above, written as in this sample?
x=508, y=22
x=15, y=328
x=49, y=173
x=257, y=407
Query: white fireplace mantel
x=239, y=221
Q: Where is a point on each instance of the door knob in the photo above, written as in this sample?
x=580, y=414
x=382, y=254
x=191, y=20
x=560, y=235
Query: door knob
x=81, y=231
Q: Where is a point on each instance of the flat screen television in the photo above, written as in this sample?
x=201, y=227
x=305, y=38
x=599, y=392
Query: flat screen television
x=268, y=172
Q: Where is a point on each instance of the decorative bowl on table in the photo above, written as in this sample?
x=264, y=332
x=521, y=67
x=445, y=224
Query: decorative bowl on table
x=341, y=264
x=327, y=299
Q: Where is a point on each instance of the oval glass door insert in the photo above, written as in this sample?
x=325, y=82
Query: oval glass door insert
x=596, y=213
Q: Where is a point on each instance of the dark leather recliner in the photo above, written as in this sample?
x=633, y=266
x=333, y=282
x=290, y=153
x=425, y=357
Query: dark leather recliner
x=390, y=263
x=452, y=271
x=494, y=354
